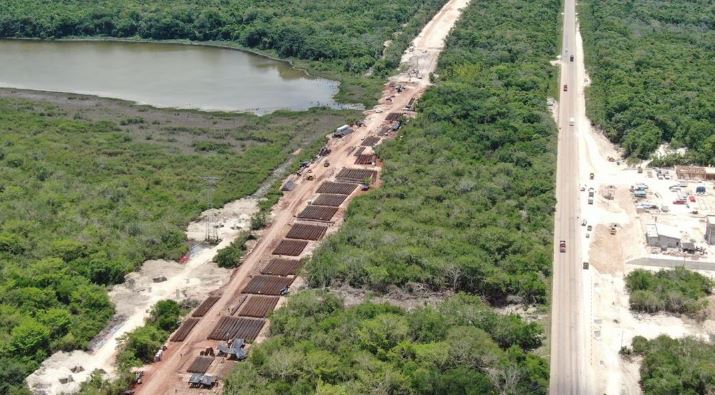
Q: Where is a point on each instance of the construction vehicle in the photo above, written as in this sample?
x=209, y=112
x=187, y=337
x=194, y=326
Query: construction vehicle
x=571, y=58
x=591, y=176
x=585, y=266
x=613, y=229
x=590, y=201
x=310, y=177
x=326, y=164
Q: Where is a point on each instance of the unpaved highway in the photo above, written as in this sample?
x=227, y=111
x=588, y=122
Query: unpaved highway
x=169, y=375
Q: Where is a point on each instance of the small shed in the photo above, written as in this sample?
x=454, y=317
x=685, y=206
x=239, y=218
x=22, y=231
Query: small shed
x=198, y=380
x=288, y=186
x=710, y=229
x=234, y=349
x=662, y=236
x=343, y=132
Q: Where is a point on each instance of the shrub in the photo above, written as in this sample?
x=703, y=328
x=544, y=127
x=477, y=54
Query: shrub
x=230, y=257
x=676, y=291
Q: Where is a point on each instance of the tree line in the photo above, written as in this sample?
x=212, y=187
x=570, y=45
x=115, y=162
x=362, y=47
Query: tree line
x=651, y=64
x=348, y=33
x=468, y=191
x=459, y=347
x=679, y=291
x=674, y=366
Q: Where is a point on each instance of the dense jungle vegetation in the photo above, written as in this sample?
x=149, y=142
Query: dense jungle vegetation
x=460, y=347
x=676, y=291
x=83, y=202
x=652, y=64
x=344, y=35
x=466, y=204
x=468, y=189
x=675, y=366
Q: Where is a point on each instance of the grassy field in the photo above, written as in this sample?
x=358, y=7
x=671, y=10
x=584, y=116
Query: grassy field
x=90, y=188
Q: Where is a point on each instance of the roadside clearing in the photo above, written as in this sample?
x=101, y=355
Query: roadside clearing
x=612, y=229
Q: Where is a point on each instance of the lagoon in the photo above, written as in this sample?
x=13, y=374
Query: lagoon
x=163, y=75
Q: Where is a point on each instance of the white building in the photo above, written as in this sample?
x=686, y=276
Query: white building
x=663, y=236
x=710, y=229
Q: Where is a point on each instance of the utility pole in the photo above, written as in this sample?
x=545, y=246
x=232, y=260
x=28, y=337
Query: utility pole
x=211, y=232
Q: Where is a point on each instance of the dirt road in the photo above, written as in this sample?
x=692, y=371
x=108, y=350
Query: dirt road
x=169, y=375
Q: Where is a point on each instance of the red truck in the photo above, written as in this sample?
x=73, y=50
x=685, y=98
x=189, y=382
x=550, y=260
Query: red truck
x=562, y=246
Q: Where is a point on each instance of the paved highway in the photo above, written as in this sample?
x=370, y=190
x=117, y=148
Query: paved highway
x=567, y=338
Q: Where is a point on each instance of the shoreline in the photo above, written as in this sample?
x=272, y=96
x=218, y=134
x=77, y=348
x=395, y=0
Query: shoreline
x=228, y=45
x=259, y=112
x=130, y=40
x=19, y=93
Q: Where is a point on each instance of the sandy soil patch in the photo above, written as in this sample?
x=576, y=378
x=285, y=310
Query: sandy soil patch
x=142, y=289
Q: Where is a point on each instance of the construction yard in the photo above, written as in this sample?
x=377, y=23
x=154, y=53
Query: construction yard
x=312, y=207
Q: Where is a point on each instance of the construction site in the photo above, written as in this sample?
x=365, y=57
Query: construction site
x=219, y=332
